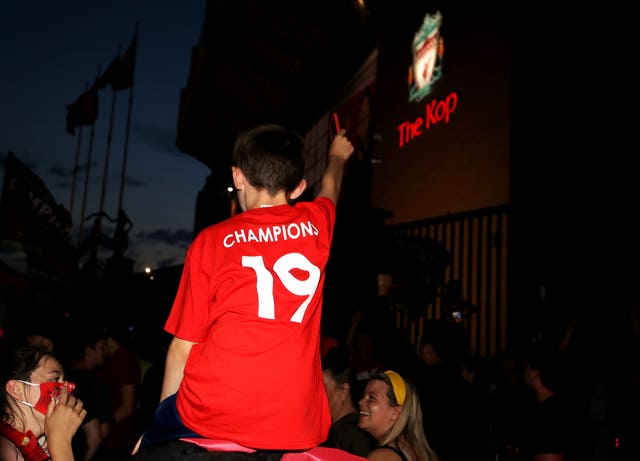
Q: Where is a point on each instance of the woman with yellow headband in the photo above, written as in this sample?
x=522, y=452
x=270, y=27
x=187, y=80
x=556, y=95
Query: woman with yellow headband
x=390, y=411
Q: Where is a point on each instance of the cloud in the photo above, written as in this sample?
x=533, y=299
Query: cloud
x=60, y=171
x=64, y=176
x=134, y=182
x=156, y=254
x=159, y=248
x=159, y=138
x=180, y=237
x=169, y=262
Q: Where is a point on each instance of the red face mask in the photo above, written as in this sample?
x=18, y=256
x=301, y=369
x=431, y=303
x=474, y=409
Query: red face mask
x=48, y=390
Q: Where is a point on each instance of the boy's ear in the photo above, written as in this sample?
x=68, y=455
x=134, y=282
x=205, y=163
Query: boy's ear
x=238, y=178
x=297, y=192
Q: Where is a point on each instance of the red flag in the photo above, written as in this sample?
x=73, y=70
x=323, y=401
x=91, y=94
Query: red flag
x=122, y=76
x=84, y=111
x=107, y=75
x=120, y=72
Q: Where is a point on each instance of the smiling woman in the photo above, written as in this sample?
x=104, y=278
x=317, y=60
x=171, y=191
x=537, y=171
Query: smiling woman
x=390, y=411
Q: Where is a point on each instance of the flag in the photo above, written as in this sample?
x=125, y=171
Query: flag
x=83, y=111
x=27, y=208
x=29, y=214
x=123, y=76
x=107, y=75
x=120, y=72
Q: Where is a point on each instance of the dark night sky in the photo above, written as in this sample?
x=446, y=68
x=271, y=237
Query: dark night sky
x=50, y=51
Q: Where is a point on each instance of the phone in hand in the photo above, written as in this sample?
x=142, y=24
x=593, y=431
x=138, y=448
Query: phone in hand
x=334, y=126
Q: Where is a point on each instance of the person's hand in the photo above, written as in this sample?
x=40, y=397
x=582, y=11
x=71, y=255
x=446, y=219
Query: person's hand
x=341, y=147
x=64, y=417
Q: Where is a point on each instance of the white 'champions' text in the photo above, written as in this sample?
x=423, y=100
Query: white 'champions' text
x=271, y=233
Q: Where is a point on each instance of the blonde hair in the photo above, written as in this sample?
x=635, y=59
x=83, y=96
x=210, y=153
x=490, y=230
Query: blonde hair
x=409, y=424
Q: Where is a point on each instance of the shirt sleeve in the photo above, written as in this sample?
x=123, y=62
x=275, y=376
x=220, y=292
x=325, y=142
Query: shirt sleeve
x=189, y=313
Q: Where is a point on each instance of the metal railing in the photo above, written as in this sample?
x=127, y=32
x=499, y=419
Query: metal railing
x=477, y=243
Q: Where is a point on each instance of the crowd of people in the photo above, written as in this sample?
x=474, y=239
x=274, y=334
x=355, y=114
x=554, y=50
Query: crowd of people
x=247, y=370
x=385, y=401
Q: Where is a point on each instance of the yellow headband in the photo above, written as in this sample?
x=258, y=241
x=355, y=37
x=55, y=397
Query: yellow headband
x=397, y=383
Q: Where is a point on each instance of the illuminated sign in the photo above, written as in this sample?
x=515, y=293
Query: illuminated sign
x=428, y=50
x=436, y=111
x=426, y=68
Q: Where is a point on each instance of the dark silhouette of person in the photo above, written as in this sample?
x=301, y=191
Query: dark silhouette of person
x=120, y=241
x=92, y=244
x=455, y=414
x=553, y=422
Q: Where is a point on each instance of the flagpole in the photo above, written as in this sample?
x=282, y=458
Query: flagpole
x=108, y=154
x=128, y=127
x=77, y=160
x=75, y=172
x=75, y=164
x=106, y=158
x=86, y=184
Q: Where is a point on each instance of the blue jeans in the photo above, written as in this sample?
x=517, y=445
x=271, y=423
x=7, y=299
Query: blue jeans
x=166, y=424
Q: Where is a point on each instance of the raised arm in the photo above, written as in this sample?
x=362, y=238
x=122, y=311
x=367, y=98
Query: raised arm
x=339, y=152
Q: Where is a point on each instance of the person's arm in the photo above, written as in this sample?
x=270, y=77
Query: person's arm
x=127, y=402
x=105, y=408
x=61, y=423
x=568, y=334
x=177, y=354
x=94, y=438
x=339, y=152
x=105, y=429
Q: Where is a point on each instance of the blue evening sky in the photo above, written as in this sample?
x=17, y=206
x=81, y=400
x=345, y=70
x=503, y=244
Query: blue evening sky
x=50, y=51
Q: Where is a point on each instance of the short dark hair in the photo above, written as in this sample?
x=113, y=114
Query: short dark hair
x=270, y=157
x=338, y=361
x=73, y=346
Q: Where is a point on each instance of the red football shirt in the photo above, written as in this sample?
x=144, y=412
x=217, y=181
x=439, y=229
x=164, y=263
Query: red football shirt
x=251, y=297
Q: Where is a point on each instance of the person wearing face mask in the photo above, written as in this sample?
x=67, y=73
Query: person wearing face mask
x=38, y=413
x=390, y=411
